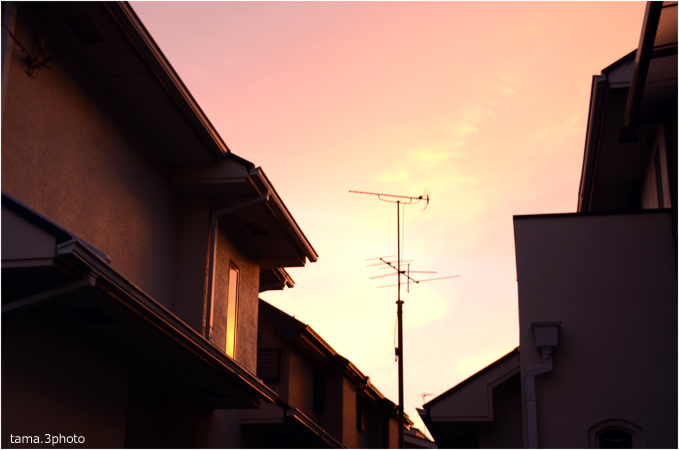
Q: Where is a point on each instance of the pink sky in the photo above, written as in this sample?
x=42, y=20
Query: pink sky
x=483, y=104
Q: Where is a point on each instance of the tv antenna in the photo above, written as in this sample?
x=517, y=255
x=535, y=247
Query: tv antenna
x=396, y=265
x=424, y=397
x=406, y=273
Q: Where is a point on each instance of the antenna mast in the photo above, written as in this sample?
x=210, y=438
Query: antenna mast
x=406, y=200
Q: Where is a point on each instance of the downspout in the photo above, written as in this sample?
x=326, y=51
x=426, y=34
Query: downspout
x=546, y=339
x=8, y=22
x=214, y=224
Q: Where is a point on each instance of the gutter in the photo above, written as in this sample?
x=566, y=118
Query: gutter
x=546, y=340
x=8, y=22
x=294, y=414
x=594, y=123
x=642, y=60
x=141, y=39
x=117, y=288
x=98, y=277
x=280, y=211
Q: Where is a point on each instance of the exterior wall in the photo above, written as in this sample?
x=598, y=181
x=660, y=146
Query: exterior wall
x=505, y=431
x=301, y=384
x=191, y=263
x=224, y=431
x=334, y=417
x=350, y=434
x=652, y=183
x=161, y=419
x=392, y=437
x=74, y=159
x=62, y=382
x=611, y=282
x=20, y=241
x=267, y=340
x=248, y=299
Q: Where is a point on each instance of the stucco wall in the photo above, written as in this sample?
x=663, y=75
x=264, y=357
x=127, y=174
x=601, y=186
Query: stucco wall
x=248, y=297
x=505, y=431
x=191, y=262
x=301, y=387
x=350, y=434
x=72, y=157
x=611, y=282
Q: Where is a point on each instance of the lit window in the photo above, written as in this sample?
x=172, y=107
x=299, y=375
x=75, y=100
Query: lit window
x=232, y=311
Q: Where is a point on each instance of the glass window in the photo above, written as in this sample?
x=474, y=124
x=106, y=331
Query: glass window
x=615, y=433
x=232, y=311
x=615, y=439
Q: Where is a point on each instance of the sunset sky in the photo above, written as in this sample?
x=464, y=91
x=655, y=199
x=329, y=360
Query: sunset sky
x=481, y=104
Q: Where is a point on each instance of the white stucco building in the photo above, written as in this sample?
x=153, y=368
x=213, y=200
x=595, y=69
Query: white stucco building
x=597, y=361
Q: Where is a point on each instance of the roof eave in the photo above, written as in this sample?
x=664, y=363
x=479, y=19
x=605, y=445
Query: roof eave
x=597, y=102
x=138, y=35
x=642, y=60
x=286, y=219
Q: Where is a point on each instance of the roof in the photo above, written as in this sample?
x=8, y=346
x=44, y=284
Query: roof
x=110, y=45
x=655, y=66
x=508, y=362
x=53, y=272
x=278, y=423
x=638, y=89
x=305, y=338
x=455, y=417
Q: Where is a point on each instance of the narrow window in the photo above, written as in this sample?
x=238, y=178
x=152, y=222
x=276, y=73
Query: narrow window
x=232, y=311
x=615, y=433
x=659, y=178
x=361, y=415
x=615, y=439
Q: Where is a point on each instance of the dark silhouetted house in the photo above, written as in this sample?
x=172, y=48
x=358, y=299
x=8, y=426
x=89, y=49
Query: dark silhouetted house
x=135, y=244
x=484, y=411
x=597, y=366
x=324, y=399
x=415, y=438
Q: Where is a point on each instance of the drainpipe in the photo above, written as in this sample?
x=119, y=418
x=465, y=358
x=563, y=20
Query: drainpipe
x=214, y=223
x=546, y=336
x=9, y=10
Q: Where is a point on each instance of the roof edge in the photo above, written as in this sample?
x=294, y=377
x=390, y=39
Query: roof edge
x=142, y=40
x=466, y=381
x=281, y=211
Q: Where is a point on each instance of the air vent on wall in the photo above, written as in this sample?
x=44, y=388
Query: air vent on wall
x=269, y=364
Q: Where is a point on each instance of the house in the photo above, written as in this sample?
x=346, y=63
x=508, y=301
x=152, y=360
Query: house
x=135, y=244
x=319, y=392
x=415, y=438
x=597, y=361
x=483, y=411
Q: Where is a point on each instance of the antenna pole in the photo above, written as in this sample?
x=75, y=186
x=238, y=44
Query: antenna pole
x=399, y=315
x=407, y=200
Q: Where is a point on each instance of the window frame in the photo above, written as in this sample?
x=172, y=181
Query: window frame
x=635, y=432
x=232, y=297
